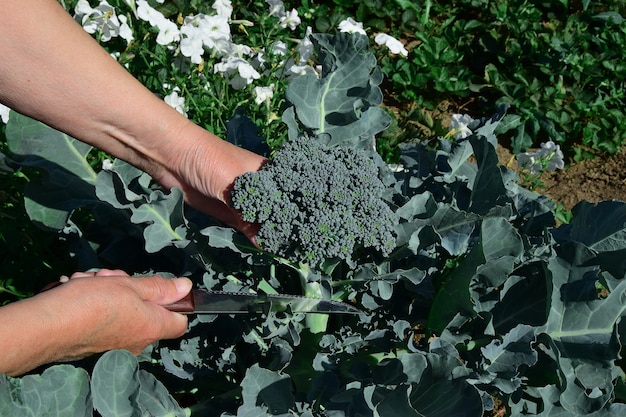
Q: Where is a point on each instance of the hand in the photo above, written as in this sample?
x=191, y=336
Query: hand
x=205, y=169
x=91, y=313
x=120, y=312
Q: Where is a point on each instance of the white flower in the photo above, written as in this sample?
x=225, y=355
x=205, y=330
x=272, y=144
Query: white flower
x=302, y=70
x=263, y=94
x=4, y=113
x=147, y=13
x=102, y=19
x=201, y=31
x=107, y=164
x=239, y=50
x=177, y=102
x=279, y=48
x=215, y=30
x=168, y=30
x=192, y=40
x=259, y=60
x=305, y=48
x=239, y=69
x=459, y=126
x=125, y=32
x=277, y=8
x=224, y=8
x=547, y=158
x=394, y=45
x=193, y=48
x=351, y=26
x=290, y=19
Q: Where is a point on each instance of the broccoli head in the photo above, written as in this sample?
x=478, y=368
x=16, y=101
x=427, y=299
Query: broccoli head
x=315, y=202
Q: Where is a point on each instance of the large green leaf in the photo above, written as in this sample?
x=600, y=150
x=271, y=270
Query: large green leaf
x=582, y=330
x=499, y=246
x=160, y=214
x=504, y=360
x=552, y=407
x=443, y=390
x=454, y=296
x=67, y=181
x=120, y=388
x=601, y=226
x=60, y=391
x=265, y=390
x=343, y=101
x=488, y=188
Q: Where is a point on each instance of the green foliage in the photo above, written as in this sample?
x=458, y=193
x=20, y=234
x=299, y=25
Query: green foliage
x=344, y=100
x=117, y=387
x=482, y=298
x=560, y=65
x=29, y=256
x=210, y=100
x=75, y=175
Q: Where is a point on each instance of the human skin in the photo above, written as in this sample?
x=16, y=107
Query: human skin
x=88, y=315
x=53, y=71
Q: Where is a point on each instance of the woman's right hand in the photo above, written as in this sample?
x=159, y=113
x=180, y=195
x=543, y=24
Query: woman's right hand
x=91, y=313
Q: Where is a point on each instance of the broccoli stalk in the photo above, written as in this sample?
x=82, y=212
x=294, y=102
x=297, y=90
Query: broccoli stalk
x=315, y=202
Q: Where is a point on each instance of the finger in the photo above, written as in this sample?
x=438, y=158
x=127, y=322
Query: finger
x=169, y=325
x=82, y=275
x=161, y=290
x=111, y=273
x=157, y=291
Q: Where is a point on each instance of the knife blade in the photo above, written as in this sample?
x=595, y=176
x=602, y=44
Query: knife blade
x=200, y=301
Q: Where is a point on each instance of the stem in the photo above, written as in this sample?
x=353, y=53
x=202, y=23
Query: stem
x=5, y=287
x=315, y=322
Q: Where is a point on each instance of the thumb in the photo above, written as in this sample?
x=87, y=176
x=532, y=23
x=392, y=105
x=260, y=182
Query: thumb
x=161, y=290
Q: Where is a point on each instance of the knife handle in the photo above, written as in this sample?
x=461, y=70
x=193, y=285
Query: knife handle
x=185, y=305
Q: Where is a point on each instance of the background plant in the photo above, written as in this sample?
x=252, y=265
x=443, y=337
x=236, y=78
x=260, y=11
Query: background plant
x=560, y=65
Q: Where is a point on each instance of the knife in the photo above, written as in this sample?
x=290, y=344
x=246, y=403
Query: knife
x=200, y=301
x=222, y=302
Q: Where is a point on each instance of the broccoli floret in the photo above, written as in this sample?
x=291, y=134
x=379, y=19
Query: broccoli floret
x=316, y=202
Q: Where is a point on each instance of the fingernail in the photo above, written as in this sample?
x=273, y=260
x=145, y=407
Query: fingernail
x=64, y=278
x=183, y=285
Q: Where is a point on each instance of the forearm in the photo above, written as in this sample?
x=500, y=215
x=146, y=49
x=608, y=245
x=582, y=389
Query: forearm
x=55, y=72
x=52, y=70
x=89, y=315
x=29, y=336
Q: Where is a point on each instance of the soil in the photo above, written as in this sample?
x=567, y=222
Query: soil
x=592, y=180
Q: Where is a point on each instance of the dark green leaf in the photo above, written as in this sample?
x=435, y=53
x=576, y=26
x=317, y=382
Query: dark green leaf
x=60, y=391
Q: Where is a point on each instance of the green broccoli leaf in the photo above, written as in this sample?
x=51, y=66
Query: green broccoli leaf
x=161, y=212
x=119, y=388
x=68, y=180
x=264, y=390
x=61, y=390
x=582, y=330
x=342, y=102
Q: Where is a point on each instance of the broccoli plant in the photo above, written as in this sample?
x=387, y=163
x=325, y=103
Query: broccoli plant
x=317, y=202
x=484, y=307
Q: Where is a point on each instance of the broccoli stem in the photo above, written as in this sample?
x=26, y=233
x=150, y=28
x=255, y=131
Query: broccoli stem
x=315, y=322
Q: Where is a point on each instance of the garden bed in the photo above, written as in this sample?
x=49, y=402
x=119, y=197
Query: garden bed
x=485, y=303
x=594, y=180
